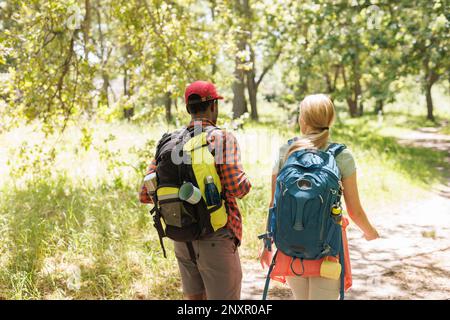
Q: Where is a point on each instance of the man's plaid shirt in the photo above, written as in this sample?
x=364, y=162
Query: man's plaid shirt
x=229, y=168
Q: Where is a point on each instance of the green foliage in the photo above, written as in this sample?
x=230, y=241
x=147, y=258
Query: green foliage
x=354, y=52
x=57, y=51
x=67, y=59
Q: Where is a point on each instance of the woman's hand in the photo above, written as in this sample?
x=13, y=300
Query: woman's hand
x=265, y=257
x=372, y=234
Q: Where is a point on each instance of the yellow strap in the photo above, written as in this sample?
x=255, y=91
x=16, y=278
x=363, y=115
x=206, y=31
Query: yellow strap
x=203, y=165
x=196, y=142
x=167, y=191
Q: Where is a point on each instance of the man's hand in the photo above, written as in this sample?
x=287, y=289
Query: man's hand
x=144, y=197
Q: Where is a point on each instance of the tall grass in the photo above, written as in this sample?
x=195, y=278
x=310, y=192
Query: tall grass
x=69, y=241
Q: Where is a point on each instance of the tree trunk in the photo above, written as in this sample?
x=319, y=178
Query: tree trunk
x=127, y=112
x=357, y=86
x=239, y=102
x=168, y=105
x=429, y=99
x=379, y=104
x=86, y=27
x=302, y=87
x=352, y=97
x=430, y=79
x=252, y=87
x=252, y=94
x=104, y=97
x=328, y=83
x=352, y=107
x=331, y=85
x=213, y=18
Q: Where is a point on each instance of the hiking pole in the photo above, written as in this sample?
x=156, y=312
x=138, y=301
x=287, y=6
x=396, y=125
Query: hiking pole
x=267, y=237
x=158, y=226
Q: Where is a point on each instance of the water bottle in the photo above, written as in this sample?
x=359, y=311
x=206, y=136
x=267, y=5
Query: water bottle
x=336, y=213
x=150, y=183
x=211, y=193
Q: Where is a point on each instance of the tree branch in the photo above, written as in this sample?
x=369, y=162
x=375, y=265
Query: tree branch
x=268, y=67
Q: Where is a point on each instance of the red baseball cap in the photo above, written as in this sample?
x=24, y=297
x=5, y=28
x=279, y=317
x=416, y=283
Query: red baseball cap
x=206, y=90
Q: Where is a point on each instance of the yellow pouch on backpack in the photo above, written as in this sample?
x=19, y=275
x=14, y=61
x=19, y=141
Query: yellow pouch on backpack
x=330, y=269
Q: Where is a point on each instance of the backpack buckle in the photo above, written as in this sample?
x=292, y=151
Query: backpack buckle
x=267, y=235
x=326, y=249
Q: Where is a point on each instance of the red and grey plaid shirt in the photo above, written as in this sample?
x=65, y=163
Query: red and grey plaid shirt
x=234, y=180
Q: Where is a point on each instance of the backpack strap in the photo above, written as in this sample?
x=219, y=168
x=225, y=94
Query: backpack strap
x=209, y=129
x=342, y=262
x=192, y=133
x=191, y=251
x=291, y=141
x=335, y=149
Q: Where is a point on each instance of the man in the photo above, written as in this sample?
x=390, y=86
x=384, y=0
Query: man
x=210, y=268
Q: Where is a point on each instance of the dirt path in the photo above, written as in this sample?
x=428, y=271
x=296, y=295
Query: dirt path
x=411, y=260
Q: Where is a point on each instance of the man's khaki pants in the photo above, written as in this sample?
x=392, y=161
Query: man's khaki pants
x=217, y=270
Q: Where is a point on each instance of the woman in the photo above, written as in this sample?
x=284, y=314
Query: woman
x=316, y=117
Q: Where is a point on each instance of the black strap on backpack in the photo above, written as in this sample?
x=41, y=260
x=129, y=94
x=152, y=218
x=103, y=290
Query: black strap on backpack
x=342, y=262
x=156, y=214
x=191, y=251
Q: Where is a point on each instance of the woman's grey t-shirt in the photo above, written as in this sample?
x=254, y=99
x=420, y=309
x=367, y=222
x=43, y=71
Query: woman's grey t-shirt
x=344, y=161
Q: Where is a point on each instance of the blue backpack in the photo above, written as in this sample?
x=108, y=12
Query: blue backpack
x=301, y=222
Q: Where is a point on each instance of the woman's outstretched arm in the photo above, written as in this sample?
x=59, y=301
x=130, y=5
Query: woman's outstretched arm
x=355, y=209
x=265, y=256
x=272, y=193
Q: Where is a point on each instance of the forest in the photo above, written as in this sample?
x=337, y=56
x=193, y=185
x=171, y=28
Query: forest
x=88, y=87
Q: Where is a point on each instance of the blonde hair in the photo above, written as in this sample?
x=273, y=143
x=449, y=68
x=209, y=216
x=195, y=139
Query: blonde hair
x=317, y=114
